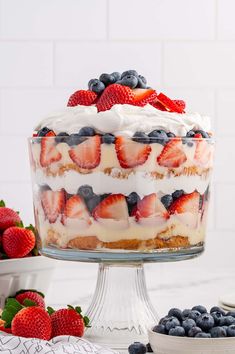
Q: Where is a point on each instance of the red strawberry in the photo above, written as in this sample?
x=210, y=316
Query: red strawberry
x=144, y=96
x=149, y=206
x=8, y=217
x=112, y=207
x=49, y=153
x=50, y=133
x=18, y=242
x=186, y=203
x=158, y=105
x=203, y=150
x=53, y=204
x=131, y=153
x=67, y=322
x=32, y=322
x=114, y=94
x=87, y=154
x=172, y=154
x=169, y=104
x=82, y=97
x=75, y=208
x=180, y=103
x=31, y=295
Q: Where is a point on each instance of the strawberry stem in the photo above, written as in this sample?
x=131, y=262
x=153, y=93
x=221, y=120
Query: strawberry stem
x=2, y=203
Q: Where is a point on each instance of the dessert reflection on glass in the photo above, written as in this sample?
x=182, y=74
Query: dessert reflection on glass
x=122, y=168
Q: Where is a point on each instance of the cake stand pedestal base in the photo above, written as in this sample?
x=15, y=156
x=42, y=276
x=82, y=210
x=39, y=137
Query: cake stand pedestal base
x=121, y=311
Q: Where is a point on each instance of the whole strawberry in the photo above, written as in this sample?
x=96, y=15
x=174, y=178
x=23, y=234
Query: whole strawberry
x=68, y=321
x=25, y=297
x=17, y=242
x=8, y=217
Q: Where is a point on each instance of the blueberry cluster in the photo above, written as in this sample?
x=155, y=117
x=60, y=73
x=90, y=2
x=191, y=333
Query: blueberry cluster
x=198, y=323
x=191, y=134
x=128, y=78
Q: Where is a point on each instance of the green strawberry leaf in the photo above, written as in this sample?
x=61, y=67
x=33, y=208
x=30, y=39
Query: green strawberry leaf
x=19, y=224
x=2, y=203
x=78, y=309
x=50, y=310
x=86, y=321
x=31, y=227
x=70, y=307
x=11, y=308
x=29, y=303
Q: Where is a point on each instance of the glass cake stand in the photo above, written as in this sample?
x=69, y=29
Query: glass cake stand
x=121, y=311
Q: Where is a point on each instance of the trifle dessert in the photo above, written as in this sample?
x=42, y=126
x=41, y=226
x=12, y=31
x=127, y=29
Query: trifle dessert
x=122, y=167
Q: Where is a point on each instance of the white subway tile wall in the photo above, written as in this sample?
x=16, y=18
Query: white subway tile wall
x=49, y=48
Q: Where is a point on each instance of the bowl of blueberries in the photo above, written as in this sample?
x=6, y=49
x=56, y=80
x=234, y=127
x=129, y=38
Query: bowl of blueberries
x=195, y=330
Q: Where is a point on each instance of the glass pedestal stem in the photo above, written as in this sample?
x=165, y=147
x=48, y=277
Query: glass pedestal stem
x=121, y=311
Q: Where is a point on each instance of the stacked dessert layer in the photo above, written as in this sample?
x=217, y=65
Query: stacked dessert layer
x=114, y=175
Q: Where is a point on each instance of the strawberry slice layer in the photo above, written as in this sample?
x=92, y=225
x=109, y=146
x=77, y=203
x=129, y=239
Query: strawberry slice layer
x=131, y=153
x=49, y=153
x=75, y=208
x=87, y=154
x=203, y=152
x=172, y=154
x=186, y=203
x=82, y=97
x=112, y=207
x=144, y=96
x=115, y=94
x=53, y=204
x=169, y=104
x=150, y=206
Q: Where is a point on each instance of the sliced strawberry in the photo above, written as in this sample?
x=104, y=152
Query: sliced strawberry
x=49, y=153
x=180, y=103
x=50, y=133
x=53, y=204
x=75, y=208
x=203, y=151
x=144, y=96
x=150, y=206
x=169, y=104
x=115, y=94
x=172, y=154
x=131, y=153
x=158, y=105
x=87, y=154
x=83, y=98
x=112, y=207
x=186, y=203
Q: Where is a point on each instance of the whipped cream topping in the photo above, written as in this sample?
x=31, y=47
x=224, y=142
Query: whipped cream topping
x=124, y=120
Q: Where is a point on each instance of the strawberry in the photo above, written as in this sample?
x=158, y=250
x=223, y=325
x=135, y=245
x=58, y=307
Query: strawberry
x=172, y=154
x=149, y=206
x=131, y=153
x=83, y=98
x=31, y=296
x=4, y=329
x=75, y=208
x=53, y=204
x=169, y=104
x=112, y=207
x=158, y=105
x=49, y=153
x=186, y=203
x=87, y=154
x=8, y=217
x=50, y=133
x=17, y=242
x=115, y=94
x=32, y=322
x=202, y=152
x=144, y=96
x=180, y=103
x=68, y=322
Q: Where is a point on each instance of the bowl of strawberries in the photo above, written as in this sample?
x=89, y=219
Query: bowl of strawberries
x=21, y=266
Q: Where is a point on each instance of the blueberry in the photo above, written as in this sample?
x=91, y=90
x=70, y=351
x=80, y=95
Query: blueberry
x=203, y=335
x=141, y=82
x=218, y=332
x=227, y=321
x=149, y=348
x=132, y=199
x=107, y=79
x=129, y=72
x=43, y=131
x=178, y=331
x=217, y=317
x=194, y=314
x=166, y=201
x=231, y=313
x=176, y=313
x=160, y=328
x=205, y=322
x=141, y=137
x=129, y=80
x=92, y=202
x=217, y=309
x=61, y=137
x=158, y=136
x=137, y=348
x=231, y=331
x=177, y=194
x=194, y=331
x=75, y=139
x=170, y=135
x=85, y=191
x=96, y=86
x=117, y=75
x=203, y=133
x=200, y=308
x=172, y=322
x=87, y=131
x=164, y=320
x=190, y=134
x=188, y=324
x=186, y=312
x=108, y=139
x=225, y=327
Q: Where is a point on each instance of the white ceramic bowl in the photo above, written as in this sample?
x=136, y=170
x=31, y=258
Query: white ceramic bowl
x=24, y=273
x=163, y=344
